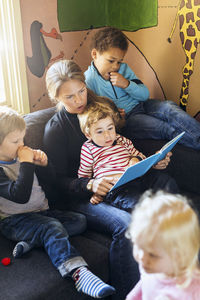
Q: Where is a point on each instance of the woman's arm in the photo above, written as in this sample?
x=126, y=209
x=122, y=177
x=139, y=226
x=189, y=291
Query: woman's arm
x=63, y=146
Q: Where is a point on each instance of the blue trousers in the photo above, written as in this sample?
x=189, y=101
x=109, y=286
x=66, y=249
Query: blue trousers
x=126, y=196
x=112, y=221
x=49, y=229
x=155, y=119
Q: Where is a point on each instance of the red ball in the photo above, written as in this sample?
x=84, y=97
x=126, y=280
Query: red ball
x=6, y=261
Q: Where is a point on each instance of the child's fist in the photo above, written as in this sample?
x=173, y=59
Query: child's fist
x=25, y=154
x=40, y=158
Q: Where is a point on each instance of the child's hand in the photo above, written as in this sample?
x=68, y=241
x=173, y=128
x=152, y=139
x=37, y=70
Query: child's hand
x=25, y=154
x=96, y=199
x=133, y=161
x=40, y=158
x=122, y=113
x=118, y=80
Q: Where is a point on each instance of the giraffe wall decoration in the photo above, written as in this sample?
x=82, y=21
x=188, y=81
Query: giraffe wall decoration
x=189, y=26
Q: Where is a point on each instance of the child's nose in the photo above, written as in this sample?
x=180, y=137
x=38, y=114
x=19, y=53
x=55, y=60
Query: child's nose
x=115, y=66
x=107, y=133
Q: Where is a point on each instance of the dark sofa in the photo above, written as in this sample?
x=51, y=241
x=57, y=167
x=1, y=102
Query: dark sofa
x=33, y=277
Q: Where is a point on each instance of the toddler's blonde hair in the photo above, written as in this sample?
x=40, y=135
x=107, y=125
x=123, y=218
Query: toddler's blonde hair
x=10, y=121
x=177, y=224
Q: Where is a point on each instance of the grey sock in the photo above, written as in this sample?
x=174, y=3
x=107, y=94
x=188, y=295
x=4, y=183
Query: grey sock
x=21, y=248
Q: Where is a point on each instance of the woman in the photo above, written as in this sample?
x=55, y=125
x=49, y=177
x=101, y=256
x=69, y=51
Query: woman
x=63, y=140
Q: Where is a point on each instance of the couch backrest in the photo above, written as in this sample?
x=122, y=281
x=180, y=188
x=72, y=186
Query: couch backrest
x=35, y=124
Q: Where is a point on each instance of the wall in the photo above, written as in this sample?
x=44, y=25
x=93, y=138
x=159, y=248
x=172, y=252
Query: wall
x=155, y=61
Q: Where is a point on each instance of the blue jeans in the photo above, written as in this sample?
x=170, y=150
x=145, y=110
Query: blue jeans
x=112, y=221
x=155, y=119
x=126, y=196
x=49, y=229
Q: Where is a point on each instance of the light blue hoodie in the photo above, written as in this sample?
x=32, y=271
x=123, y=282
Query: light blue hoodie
x=126, y=98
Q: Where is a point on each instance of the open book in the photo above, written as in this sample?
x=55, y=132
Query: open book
x=144, y=165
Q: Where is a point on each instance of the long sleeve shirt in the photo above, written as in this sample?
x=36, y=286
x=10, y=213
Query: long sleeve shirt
x=63, y=140
x=20, y=191
x=152, y=287
x=97, y=162
x=126, y=98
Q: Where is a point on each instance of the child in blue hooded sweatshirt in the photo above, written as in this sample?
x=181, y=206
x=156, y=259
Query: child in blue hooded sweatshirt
x=145, y=118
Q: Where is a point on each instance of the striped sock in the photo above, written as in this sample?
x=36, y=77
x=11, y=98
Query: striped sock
x=21, y=248
x=86, y=282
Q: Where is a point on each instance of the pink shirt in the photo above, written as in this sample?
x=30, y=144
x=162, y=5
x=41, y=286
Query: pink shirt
x=152, y=287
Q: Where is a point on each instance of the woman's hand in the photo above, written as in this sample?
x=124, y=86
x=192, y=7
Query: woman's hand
x=162, y=164
x=103, y=185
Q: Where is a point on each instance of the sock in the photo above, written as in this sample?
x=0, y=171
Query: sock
x=86, y=282
x=21, y=248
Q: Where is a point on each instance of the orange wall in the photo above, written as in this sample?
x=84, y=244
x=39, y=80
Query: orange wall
x=158, y=64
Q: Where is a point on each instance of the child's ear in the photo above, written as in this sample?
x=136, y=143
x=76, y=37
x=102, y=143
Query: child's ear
x=94, y=53
x=88, y=136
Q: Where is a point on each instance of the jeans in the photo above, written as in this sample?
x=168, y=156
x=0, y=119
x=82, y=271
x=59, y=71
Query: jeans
x=155, y=119
x=51, y=230
x=126, y=196
x=112, y=221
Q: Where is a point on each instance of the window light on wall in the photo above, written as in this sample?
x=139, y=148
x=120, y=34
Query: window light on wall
x=13, y=86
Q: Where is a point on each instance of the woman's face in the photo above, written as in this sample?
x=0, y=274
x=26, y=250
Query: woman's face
x=73, y=95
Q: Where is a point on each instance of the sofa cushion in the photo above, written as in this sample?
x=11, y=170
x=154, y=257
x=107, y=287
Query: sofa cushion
x=33, y=277
x=35, y=124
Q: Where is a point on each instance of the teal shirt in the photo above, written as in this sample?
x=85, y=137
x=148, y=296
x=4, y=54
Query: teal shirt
x=126, y=98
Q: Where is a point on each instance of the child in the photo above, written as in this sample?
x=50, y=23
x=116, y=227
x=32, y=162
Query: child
x=109, y=76
x=166, y=237
x=107, y=154
x=24, y=211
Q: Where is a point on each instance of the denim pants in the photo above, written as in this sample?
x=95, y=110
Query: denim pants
x=126, y=196
x=49, y=229
x=155, y=119
x=112, y=221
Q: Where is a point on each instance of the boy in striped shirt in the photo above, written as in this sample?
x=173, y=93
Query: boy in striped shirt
x=108, y=154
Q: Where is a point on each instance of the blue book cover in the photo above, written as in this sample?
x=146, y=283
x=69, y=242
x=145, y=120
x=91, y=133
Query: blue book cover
x=144, y=165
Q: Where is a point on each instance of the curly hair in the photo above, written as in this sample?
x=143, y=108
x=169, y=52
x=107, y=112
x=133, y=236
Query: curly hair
x=107, y=38
x=97, y=110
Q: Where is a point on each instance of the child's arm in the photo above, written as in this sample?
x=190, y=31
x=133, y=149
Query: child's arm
x=127, y=80
x=135, y=155
x=18, y=190
x=86, y=163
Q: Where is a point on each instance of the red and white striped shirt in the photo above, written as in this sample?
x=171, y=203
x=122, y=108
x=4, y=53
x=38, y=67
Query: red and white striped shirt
x=97, y=161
